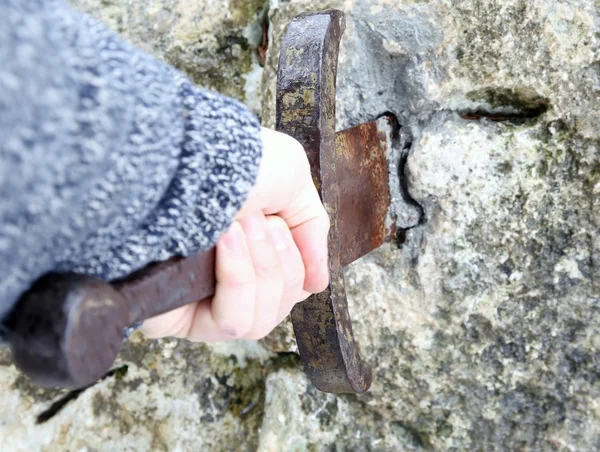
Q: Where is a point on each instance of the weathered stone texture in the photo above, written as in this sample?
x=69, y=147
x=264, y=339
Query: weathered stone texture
x=214, y=42
x=483, y=328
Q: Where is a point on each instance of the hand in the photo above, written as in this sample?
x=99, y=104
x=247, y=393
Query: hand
x=273, y=256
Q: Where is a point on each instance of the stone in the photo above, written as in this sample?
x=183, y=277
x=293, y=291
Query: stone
x=482, y=327
x=214, y=43
x=166, y=395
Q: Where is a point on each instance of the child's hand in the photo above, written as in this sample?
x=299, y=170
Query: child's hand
x=273, y=256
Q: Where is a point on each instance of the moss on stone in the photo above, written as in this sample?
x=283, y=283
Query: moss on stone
x=33, y=392
x=246, y=11
x=522, y=100
x=485, y=26
x=216, y=57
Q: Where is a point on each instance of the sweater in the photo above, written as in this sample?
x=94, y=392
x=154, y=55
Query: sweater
x=109, y=158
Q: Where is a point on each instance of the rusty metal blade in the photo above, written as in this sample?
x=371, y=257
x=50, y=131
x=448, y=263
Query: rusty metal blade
x=306, y=110
x=362, y=169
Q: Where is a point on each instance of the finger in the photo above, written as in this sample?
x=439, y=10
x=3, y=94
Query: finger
x=287, y=310
x=175, y=323
x=269, y=275
x=230, y=314
x=286, y=189
x=291, y=265
x=283, y=171
x=309, y=223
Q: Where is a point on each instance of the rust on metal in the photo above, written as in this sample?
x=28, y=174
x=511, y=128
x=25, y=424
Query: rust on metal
x=306, y=110
x=362, y=171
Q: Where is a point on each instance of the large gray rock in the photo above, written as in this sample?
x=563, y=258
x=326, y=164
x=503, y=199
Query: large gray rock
x=214, y=43
x=482, y=328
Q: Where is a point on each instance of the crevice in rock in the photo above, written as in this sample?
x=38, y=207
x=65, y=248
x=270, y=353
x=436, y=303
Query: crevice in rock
x=517, y=118
x=264, y=21
x=408, y=212
x=285, y=360
x=406, y=148
x=58, y=405
x=517, y=106
x=280, y=360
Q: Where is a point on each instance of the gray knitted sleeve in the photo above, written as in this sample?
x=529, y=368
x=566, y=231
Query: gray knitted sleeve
x=109, y=159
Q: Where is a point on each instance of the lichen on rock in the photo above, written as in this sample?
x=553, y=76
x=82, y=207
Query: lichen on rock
x=214, y=43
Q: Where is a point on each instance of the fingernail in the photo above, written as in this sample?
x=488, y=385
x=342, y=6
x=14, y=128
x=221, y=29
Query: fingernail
x=254, y=226
x=234, y=239
x=279, y=236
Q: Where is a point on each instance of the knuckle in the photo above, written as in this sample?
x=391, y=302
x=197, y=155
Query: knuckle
x=268, y=270
x=241, y=285
x=296, y=146
x=303, y=165
x=233, y=277
x=323, y=286
x=276, y=221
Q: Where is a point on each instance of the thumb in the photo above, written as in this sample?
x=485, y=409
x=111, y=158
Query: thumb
x=309, y=223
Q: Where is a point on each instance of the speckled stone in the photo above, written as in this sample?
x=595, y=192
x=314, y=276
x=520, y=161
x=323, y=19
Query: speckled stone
x=214, y=42
x=483, y=328
x=172, y=395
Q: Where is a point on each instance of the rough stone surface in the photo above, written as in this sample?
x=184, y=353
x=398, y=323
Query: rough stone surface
x=215, y=43
x=483, y=328
x=172, y=396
